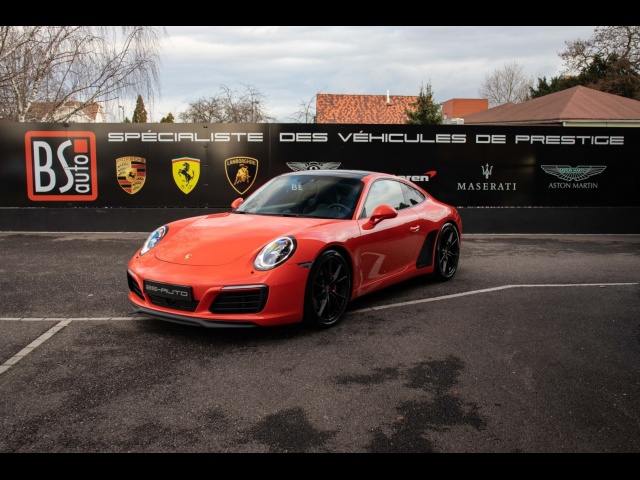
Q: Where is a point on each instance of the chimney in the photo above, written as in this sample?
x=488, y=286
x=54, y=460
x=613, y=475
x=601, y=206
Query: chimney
x=388, y=98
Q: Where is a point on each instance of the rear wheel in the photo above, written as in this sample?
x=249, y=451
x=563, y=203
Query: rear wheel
x=447, y=252
x=328, y=290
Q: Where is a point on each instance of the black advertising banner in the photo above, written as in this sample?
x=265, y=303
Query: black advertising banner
x=209, y=165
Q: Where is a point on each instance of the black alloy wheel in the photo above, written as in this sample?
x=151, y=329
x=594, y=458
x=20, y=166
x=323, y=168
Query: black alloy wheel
x=447, y=252
x=328, y=290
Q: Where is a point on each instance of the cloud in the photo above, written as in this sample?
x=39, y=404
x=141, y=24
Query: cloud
x=290, y=64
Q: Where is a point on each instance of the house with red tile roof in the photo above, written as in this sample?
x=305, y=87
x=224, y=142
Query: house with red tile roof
x=92, y=113
x=384, y=109
x=574, y=107
x=577, y=106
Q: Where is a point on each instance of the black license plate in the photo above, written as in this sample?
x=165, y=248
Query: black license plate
x=176, y=292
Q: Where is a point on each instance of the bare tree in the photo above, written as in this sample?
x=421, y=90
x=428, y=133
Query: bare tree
x=506, y=85
x=229, y=106
x=307, y=112
x=205, y=110
x=67, y=68
x=619, y=42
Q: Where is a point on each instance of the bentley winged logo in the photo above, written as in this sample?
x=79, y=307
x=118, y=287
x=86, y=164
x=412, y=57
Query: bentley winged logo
x=573, y=174
x=131, y=173
x=186, y=172
x=298, y=166
x=241, y=172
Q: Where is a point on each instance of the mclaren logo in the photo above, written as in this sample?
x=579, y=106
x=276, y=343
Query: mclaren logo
x=297, y=166
x=186, y=172
x=573, y=174
x=131, y=173
x=425, y=177
x=241, y=172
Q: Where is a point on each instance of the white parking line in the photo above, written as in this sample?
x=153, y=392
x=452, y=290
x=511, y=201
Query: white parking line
x=64, y=322
x=485, y=290
x=33, y=345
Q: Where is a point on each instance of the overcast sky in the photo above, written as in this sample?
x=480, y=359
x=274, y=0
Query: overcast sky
x=289, y=65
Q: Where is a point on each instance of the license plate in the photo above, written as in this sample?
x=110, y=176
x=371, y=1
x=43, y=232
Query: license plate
x=176, y=292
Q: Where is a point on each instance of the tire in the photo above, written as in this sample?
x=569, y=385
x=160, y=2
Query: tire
x=328, y=290
x=447, y=252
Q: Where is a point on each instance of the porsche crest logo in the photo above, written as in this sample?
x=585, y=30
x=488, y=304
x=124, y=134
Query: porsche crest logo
x=241, y=172
x=186, y=172
x=131, y=173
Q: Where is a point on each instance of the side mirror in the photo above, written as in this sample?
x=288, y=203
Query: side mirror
x=236, y=203
x=381, y=212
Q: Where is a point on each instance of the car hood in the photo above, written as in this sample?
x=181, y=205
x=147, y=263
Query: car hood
x=220, y=239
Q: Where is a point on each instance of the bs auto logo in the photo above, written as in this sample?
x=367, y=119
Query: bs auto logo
x=61, y=166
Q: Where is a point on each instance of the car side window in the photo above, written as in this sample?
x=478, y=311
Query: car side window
x=412, y=196
x=386, y=192
x=395, y=194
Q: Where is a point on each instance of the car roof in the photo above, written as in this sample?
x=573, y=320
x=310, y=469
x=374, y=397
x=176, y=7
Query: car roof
x=356, y=174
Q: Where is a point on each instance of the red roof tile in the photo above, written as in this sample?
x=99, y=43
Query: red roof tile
x=372, y=109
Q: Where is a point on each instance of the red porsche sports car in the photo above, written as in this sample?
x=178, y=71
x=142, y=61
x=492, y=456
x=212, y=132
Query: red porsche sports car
x=296, y=250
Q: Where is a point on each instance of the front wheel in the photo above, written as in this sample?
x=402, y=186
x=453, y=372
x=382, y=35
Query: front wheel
x=328, y=290
x=447, y=252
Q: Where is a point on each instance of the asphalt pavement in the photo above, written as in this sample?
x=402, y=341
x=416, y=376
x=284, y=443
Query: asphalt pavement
x=533, y=347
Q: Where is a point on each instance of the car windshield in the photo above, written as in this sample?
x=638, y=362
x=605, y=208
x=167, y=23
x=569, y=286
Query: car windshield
x=321, y=196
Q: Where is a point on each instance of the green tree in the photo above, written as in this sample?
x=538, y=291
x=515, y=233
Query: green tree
x=168, y=119
x=609, y=62
x=425, y=111
x=556, y=84
x=140, y=112
x=612, y=75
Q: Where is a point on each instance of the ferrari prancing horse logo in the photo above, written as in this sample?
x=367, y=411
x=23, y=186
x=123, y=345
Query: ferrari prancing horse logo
x=186, y=172
x=241, y=172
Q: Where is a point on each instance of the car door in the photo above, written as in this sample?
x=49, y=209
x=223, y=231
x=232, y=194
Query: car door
x=390, y=247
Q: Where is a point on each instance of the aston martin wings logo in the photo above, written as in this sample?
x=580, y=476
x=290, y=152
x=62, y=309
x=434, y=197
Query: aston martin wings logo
x=298, y=166
x=186, y=172
x=241, y=172
x=573, y=174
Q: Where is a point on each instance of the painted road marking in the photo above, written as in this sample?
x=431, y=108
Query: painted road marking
x=64, y=322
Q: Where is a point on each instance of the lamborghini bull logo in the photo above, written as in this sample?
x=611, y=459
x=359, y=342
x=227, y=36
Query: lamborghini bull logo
x=186, y=173
x=241, y=172
x=242, y=175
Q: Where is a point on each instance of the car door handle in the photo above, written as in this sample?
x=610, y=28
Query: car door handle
x=414, y=229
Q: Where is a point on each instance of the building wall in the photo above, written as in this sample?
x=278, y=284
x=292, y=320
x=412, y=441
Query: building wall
x=459, y=107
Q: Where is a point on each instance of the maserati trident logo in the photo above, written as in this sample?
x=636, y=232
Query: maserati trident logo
x=486, y=170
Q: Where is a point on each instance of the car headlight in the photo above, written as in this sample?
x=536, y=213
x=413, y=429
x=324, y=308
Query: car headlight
x=275, y=253
x=153, y=239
